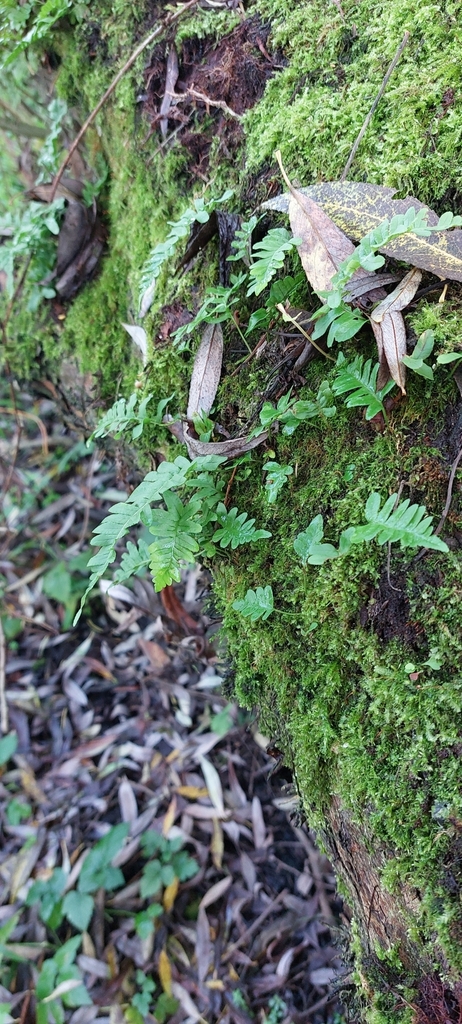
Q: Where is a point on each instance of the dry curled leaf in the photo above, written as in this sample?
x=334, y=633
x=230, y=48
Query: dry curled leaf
x=230, y=449
x=400, y=297
x=171, y=79
x=206, y=372
x=390, y=336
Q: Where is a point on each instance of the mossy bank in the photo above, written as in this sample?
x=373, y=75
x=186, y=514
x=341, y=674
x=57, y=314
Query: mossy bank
x=358, y=671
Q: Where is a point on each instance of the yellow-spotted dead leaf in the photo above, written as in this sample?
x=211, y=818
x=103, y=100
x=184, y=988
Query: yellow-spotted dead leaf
x=169, y=817
x=217, y=844
x=165, y=972
x=358, y=207
x=170, y=895
x=206, y=372
x=324, y=246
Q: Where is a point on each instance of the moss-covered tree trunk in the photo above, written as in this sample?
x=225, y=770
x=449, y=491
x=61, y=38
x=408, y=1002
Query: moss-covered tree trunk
x=359, y=678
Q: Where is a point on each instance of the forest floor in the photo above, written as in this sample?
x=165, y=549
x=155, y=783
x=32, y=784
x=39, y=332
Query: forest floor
x=124, y=733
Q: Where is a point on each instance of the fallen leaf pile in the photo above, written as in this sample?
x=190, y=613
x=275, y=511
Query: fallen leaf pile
x=123, y=720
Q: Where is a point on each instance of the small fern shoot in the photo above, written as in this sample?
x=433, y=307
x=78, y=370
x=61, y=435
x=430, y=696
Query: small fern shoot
x=174, y=529
x=199, y=211
x=235, y=528
x=360, y=379
x=268, y=257
x=257, y=604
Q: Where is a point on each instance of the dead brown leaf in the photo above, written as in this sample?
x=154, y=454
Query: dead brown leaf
x=206, y=371
x=400, y=297
x=230, y=449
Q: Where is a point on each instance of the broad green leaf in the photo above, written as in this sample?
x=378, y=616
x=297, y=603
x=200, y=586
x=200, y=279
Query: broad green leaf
x=78, y=908
x=8, y=746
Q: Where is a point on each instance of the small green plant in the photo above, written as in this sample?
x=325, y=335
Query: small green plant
x=268, y=256
x=257, y=604
x=16, y=17
x=359, y=379
x=129, y=413
x=276, y=479
x=60, y=984
x=181, y=530
x=171, y=862
x=291, y=413
x=422, y=351
x=33, y=234
x=401, y=523
x=199, y=212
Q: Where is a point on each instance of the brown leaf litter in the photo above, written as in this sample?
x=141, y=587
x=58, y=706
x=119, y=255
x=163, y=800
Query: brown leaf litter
x=122, y=719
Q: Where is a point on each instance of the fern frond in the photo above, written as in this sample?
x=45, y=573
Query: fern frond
x=136, y=557
x=235, y=528
x=360, y=378
x=199, y=211
x=269, y=256
x=408, y=524
x=276, y=479
x=125, y=514
x=173, y=529
x=257, y=604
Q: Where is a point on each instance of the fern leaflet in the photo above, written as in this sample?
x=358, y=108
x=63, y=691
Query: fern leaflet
x=136, y=557
x=174, y=543
x=361, y=381
x=257, y=604
x=269, y=256
x=408, y=524
x=200, y=211
x=235, y=529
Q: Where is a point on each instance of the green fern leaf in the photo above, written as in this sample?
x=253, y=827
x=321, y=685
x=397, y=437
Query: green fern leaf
x=235, y=529
x=136, y=557
x=408, y=524
x=269, y=256
x=200, y=211
x=277, y=477
x=125, y=514
x=257, y=604
x=174, y=543
x=360, y=378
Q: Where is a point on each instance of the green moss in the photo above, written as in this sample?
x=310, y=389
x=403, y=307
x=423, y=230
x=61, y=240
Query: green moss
x=332, y=662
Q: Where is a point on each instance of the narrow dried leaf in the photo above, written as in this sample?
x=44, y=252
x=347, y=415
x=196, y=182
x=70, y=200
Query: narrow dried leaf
x=127, y=801
x=230, y=449
x=170, y=816
x=216, y=891
x=139, y=339
x=217, y=844
x=400, y=297
x=323, y=245
x=390, y=335
x=171, y=78
x=213, y=783
x=248, y=871
x=186, y=1002
x=157, y=656
x=206, y=371
x=258, y=824
x=192, y=792
x=170, y=895
x=24, y=865
x=203, y=944
x=285, y=963
x=62, y=989
x=165, y=972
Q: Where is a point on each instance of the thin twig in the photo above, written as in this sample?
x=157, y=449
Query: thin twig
x=212, y=103
x=29, y=416
x=3, y=704
x=375, y=104
x=169, y=20
x=293, y=320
